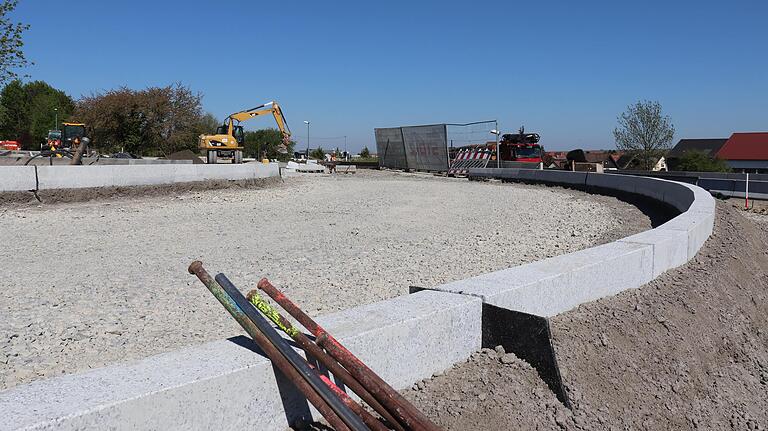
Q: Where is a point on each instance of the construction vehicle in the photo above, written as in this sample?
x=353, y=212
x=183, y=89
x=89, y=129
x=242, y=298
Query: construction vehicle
x=229, y=138
x=513, y=147
x=521, y=147
x=68, y=138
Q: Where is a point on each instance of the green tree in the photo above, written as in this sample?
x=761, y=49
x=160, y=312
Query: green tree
x=266, y=143
x=365, y=152
x=152, y=121
x=28, y=111
x=644, y=132
x=207, y=124
x=11, y=54
x=699, y=161
x=318, y=153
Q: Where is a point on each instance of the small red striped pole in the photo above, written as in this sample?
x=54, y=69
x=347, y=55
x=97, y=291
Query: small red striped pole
x=746, y=194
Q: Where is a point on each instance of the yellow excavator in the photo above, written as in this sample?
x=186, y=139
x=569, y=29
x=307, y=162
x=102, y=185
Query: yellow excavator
x=229, y=137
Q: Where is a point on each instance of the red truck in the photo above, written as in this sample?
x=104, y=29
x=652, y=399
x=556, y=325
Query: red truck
x=521, y=147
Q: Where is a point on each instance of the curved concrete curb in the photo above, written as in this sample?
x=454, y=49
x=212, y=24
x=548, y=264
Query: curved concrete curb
x=558, y=284
x=40, y=178
x=224, y=385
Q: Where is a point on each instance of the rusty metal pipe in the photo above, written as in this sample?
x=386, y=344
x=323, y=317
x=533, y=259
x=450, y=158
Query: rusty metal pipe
x=271, y=351
x=408, y=415
x=368, y=418
x=315, y=351
x=353, y=421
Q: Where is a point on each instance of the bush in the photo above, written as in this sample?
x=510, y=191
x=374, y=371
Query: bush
x=699, y=161
x=318, y=153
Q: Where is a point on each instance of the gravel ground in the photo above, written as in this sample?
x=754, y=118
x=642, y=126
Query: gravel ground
x=86, y=284
x=687, y=351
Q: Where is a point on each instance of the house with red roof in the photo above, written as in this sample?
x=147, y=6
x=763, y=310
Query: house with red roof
x=746, y=152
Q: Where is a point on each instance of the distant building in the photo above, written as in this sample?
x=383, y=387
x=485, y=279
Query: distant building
x=708, y=146
x=743, y=152
x=746, y=152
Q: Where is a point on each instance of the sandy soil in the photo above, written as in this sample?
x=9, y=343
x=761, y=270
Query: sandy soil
x=90, y=283
x=687, y=351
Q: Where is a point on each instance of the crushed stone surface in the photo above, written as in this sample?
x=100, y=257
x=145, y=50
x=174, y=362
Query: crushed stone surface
x=92, y=283
x=688, y=351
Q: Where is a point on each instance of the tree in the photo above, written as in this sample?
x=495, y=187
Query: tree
x=11, y=53
x=317, y=153
x=28, y=111
x=153, y=121
x=265, y=143
x=644, y=132
x=365, y=152
x=699, y=161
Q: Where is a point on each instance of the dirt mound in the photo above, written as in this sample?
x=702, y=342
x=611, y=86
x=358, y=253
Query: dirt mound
x=687, y=351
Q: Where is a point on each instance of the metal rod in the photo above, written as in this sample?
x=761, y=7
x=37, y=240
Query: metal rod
x=315, y=351
x=395, y=403
x=271, y=351
x=345, y=413
x=368, y=418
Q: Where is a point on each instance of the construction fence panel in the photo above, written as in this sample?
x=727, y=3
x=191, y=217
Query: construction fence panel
x=390, y=148
x=426, y=147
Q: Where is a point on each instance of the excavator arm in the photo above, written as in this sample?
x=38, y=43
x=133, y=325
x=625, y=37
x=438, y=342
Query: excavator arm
x=267, y=108
x=224, y=141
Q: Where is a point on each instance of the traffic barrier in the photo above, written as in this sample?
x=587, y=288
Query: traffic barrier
x=469, y=158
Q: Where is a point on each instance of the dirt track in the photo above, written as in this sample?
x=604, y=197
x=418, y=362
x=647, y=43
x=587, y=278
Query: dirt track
x=687, y=351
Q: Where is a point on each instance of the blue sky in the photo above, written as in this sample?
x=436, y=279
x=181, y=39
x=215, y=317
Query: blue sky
x=564, y=69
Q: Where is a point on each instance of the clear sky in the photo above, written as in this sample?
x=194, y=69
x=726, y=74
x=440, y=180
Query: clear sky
x=563, y=69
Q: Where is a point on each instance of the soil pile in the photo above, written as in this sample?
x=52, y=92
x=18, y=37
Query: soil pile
x=687, y=351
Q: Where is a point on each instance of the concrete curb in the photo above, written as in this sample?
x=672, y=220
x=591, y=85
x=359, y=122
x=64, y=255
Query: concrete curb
x=558, y=284
x=37, y=178
x=224, y=385
x=17, y=178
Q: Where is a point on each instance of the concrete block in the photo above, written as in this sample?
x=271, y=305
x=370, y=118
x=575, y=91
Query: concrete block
x=721, y=185
x=624, y=183
x=653, y=188
x=503, y=173
x=224, y=385
x=555, y=285
x=697, y=225
x=554, y=177
x=678, y=195
x=703, y=201
x=670, y=247
x=17, y=178
x=73, y=177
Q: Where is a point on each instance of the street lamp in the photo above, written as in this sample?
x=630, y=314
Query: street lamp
x=496, y=132
x=307, y=123
x=56, y=123
x=346, y=155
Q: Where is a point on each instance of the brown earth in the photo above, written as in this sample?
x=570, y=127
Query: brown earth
x=687, y=351
x=17, y=199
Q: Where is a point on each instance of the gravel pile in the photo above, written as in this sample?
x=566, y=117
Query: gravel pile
x=87, y=284
x=687, y=351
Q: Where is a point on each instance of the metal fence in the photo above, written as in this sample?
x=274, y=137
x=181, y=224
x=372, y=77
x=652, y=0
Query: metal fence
x=423, y=148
